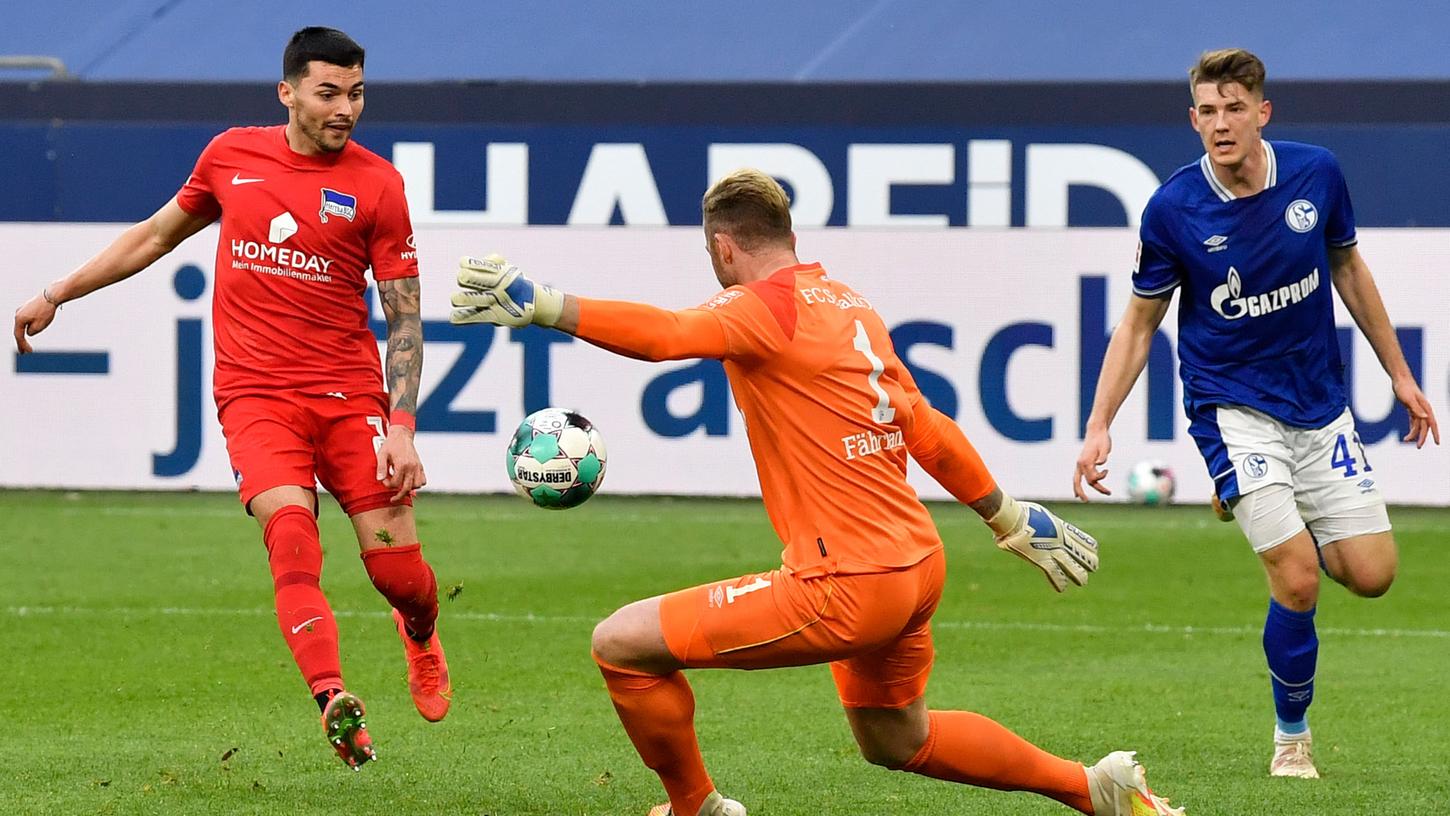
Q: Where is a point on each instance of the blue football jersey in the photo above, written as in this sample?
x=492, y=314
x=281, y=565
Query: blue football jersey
x=1255, y=313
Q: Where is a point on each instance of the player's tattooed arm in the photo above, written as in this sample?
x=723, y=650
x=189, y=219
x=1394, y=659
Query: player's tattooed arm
x=988, y=505
x=401, y=299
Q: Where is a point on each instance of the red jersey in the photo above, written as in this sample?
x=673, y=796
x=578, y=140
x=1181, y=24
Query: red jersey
x=830, y=410
x=298, y=234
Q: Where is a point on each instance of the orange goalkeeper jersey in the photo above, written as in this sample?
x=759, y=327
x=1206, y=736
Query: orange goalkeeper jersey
x=830, y=410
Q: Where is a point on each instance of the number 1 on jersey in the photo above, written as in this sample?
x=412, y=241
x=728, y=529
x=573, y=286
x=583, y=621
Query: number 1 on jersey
x=883, y=413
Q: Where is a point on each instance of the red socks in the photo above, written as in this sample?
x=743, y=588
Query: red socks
x=659, y=715
x=407, y=582
x=970, y=748
x=294, y=553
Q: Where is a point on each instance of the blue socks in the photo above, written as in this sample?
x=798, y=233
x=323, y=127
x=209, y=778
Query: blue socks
x=1292, y=649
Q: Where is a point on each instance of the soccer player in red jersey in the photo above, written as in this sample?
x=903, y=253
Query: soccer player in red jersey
x=305, y=212
x=832, y=414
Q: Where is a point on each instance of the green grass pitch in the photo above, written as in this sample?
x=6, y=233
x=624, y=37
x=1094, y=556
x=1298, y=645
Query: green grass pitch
x=143, y=672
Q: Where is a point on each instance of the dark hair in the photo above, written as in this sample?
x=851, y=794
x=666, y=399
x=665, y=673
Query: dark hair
x=321, y=44
x=1225, y=66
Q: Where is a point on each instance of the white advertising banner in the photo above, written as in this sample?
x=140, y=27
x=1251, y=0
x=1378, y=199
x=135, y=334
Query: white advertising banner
x=1005, y=330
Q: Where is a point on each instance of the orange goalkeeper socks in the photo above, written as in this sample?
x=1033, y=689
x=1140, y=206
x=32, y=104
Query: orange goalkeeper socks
x=969, y=748
x=659, y=715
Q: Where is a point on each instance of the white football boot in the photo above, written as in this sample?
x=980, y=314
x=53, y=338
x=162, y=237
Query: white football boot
x=715, y=805
x=1293, y=756
x=1118, y=787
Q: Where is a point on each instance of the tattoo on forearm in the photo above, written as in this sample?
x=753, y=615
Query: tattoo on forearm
x=405, y=341
x=988, y=505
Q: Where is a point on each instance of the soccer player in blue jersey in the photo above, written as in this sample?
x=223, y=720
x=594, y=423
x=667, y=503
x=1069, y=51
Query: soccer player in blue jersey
x=1251, y=236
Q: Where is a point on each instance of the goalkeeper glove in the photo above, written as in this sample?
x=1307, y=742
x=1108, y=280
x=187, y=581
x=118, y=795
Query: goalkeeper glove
x=1033, y=533
x=495, y=291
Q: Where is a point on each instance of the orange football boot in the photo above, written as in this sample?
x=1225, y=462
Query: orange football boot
x=427, y=673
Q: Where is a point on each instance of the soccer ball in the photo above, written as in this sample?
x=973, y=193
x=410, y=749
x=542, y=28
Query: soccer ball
x=1151, y=483
x=556, y=459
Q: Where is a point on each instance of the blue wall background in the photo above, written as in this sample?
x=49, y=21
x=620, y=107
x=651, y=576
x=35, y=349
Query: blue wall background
x=123, y=171
x=803, y=40
x=115, y=146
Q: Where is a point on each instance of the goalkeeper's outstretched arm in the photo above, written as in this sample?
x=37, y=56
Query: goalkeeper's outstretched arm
x=1028, y=530
x=642, y=331
x=495, y=291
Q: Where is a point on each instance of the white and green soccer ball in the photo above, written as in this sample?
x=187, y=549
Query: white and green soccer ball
x=1151, y=482
x=556, y=459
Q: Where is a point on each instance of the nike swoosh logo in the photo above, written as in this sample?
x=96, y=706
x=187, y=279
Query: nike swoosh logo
x=308, y=622
x=237, y=179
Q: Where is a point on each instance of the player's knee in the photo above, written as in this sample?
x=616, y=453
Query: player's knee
x=1294, y=582
x=880, y=758
x=613, y=642
x=1365, y=565
x=1370, y=582
x=1297, y=589
x=1373, y=588
x=633, y=638
x=890, y=741
x=888, y=750
x=892, y=756
x=604, y=643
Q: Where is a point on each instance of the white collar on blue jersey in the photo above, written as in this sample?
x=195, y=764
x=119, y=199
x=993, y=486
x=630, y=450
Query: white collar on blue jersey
x=1206, y=165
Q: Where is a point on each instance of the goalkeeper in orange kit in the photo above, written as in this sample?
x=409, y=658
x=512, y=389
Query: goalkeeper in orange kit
x=832, y=414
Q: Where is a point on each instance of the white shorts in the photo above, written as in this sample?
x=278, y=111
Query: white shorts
x=1334, y=486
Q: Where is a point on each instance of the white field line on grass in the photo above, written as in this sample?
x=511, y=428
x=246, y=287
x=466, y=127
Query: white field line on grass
x=745, y=515
x=496, y=617
x=523, y=513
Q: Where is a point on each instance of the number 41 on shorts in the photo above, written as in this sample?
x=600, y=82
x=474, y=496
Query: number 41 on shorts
x=1340, y=458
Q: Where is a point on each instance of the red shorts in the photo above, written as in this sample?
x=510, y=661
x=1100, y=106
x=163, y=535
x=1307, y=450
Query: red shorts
x=291, y=438
x=874, y=629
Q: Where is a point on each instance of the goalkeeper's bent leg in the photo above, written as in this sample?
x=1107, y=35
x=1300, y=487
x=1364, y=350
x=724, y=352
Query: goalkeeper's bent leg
x=965, y=747
x=294, y=553
x=658, y=713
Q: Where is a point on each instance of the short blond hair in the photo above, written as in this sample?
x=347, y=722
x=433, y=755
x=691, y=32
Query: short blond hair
x=1224, y=66
x=750, y=207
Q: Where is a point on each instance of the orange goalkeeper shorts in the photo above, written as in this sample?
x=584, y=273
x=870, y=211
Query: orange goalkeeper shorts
x=874, y=628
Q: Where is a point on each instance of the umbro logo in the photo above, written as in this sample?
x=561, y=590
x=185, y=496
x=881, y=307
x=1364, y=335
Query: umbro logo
x=237, y=179
x=1217, y=243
